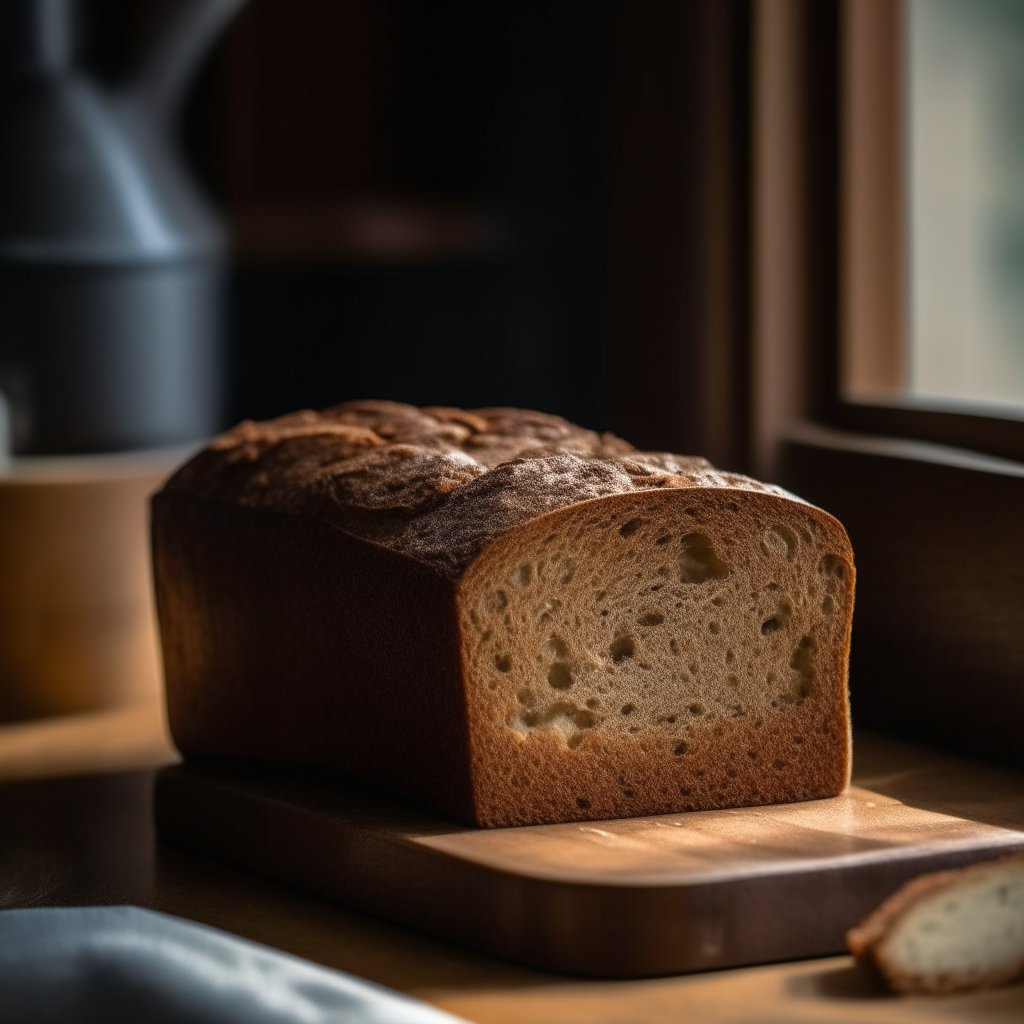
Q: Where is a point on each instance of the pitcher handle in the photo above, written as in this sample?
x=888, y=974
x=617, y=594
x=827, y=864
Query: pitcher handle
x=175, y=55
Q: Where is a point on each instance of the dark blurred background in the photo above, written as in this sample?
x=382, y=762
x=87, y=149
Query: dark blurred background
x=450, y=202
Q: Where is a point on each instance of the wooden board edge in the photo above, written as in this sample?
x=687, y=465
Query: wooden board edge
x=598, y=931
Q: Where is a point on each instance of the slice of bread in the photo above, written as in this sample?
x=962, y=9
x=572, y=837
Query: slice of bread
x=506, y=617
x=951, y=931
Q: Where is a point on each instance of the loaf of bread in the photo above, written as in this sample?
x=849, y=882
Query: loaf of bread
x=951, y=931
x=503, y=616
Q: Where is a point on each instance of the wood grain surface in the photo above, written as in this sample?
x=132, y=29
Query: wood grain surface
x=90, y=840
x=626, y=898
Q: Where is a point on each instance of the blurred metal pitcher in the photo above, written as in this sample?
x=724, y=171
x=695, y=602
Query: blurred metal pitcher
x=110, y=261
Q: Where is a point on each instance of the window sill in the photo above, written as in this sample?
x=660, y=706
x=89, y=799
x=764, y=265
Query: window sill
x=938, y=648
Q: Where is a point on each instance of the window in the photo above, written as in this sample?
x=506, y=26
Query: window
x=964, y=207
x=934, y=217
x=932, y=274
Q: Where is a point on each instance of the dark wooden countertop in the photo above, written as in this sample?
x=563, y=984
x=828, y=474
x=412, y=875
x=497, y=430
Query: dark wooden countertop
x=75, y=839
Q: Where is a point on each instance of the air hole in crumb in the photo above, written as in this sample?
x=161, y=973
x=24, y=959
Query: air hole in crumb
x=628, y=529
x=628, y=709
x=778, y=765
x=713, y=628
x=652, y=619
x=717, y=602
x=604, y=611
x=555, y=647
x=730, y=657
x=525, y=575
x=500, y=600
x=526, y=698
x=803, y=663
x=698, y=562
x=503, y=663
x=732, y=506
x=622, y=647
x=559, y=676
x=832, y=565
x=733, y=681
x=600, y=595
x=778, y=621
x=673, y=647
x=661, y=541
x=828, y=606
x=593, y=703
x=696, y=709
x=671, y=719
x=679, y=749
x=798, y=739
x=752, y=754
x=781, y=541
x=627, y=792
x=582, y=804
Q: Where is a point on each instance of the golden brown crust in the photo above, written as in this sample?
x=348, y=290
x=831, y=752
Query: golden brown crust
x=867, y=941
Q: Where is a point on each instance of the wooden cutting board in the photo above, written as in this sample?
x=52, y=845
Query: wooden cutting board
x=626, y=898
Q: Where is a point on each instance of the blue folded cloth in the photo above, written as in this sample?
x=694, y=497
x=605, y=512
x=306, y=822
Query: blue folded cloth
x=80, y=965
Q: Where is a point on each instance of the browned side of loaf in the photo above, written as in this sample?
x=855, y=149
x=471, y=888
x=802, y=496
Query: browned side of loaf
x=287, y=640
x=864, y=940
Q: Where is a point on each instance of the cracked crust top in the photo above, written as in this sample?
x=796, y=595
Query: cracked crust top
x=435, y=483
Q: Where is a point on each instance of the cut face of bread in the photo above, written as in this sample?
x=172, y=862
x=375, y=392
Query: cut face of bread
x=949, y=932
x=670, y=651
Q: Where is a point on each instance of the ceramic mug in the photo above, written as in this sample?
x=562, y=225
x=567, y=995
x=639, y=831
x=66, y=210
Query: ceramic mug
x=77, y=621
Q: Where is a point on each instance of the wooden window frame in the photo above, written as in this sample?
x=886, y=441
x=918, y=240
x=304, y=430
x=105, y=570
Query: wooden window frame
x=828, y=246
